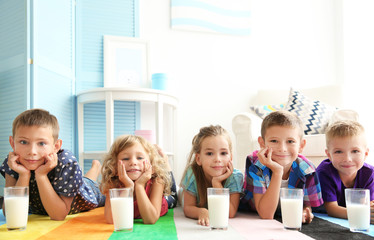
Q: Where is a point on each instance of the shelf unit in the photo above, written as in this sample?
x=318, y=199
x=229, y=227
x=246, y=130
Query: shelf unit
x=109, y=95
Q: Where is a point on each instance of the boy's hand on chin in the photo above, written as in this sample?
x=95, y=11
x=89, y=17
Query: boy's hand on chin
x=264, y=156
x=15, y=165
x=50, y=162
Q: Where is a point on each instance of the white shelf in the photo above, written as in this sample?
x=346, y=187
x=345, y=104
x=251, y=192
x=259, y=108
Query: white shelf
x=109, y=95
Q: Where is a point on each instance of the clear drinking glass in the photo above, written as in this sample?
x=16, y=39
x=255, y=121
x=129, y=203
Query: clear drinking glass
x=121, y=200
x=16, y=203
x=291, y=200
x=358, y=209
x=218, y=207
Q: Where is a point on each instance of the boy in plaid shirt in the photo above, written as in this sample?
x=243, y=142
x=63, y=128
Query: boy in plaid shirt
x=278, y=164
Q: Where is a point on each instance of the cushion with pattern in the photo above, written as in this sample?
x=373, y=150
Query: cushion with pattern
x=263, y=110
x=314, y=114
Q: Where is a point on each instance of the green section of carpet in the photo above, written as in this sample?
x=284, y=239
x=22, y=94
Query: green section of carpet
x=164, y=228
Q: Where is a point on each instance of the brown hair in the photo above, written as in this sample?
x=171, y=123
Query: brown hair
x=36, y=117
x=343, y=128
x=201, y=182
x=109, y=169
x=284, y=119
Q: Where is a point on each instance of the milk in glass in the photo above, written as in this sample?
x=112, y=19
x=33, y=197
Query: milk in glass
x=292, y=212
x=218, y=206
x=16, y=212
x=123, y=213
x=358, y=216
x=358, y=209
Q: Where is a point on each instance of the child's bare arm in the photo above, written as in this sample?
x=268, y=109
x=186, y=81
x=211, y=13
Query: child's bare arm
x=334, y=210
x=192, y=211
x=108, y=210
x=267, y=203
x=56, y=206
x=234, y=204
x=150, y=208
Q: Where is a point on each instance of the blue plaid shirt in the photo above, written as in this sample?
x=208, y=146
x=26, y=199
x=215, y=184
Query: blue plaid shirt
x=302, y=175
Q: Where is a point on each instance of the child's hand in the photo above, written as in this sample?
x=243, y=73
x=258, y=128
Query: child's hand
x=203, y=218
x=50, y=162
x=146, y=175
x=15, y=165
x=264, y=155
x=217, y=181
x=122, y=175
x=307, y=215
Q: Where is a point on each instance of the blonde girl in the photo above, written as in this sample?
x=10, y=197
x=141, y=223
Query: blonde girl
x=135, y=163
x=209, y=165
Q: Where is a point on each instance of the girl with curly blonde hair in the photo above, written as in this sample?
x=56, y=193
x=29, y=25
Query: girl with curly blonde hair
x=133, y=162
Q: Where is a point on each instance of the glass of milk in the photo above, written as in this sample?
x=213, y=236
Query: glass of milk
x=358, y=209
x=291, y=201
x=121, y=201
x=16, y=204
x=218, y=207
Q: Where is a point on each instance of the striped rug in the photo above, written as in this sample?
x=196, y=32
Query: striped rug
x=89, y=225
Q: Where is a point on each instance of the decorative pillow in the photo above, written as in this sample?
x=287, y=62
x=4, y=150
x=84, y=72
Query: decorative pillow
x=314, y=114
x=263, y=110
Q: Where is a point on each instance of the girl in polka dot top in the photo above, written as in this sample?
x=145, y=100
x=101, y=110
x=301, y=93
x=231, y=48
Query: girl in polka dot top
x=135, y=163
x=56, y=185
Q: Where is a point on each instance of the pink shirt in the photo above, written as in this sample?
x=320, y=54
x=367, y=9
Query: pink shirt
x=164, y=205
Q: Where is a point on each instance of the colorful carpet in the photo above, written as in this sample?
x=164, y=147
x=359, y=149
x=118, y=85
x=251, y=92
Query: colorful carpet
x=89, y=225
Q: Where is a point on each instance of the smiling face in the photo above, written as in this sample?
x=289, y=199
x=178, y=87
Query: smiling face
x=134, y=158
x=32, y=144
x=285, y=142
x=347, y=154
x=214, y=156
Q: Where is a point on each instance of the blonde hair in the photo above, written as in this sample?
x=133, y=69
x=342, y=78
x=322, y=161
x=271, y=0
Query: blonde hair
x=343, y=128
x=36, y=117
x=282, y=118
x=109, y=169
x=201, y=182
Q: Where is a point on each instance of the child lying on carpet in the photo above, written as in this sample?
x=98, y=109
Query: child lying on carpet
x=56, y=185
x=345, y=167
x=133, y=162
x=279, y=164
x=210, y=165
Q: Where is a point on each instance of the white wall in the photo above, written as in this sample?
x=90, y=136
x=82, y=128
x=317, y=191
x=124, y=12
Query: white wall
x=358, y=35
x=292, y=43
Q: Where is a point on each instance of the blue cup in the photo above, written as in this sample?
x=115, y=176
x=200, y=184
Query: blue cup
x=159, y=81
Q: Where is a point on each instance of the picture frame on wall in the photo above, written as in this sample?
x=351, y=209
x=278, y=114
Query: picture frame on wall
x=125, y=62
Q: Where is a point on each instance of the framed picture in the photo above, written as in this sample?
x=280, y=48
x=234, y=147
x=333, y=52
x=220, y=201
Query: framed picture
x=125, y=62
x=211, y=16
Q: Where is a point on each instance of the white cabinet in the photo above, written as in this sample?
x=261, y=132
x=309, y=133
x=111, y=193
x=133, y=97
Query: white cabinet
x=160, y=99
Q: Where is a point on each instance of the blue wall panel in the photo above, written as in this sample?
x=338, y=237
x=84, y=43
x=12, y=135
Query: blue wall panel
x=96, y=18
x=94, y=126
x=14, y=70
